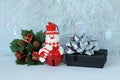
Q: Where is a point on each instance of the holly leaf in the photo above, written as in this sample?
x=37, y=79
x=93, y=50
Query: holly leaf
x=30, y=48
x=14, y=45
x=21, y=49
x=24, y=32
x=21, y=61
x=40, y=36
x=29, y=53
x=30, y=61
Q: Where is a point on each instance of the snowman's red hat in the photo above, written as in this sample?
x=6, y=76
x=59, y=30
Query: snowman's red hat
x=51, y=28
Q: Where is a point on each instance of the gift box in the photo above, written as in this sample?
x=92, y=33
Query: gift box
x=97, y=60
x=84, y=51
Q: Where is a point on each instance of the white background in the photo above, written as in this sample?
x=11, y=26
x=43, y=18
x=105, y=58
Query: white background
x=97, y=18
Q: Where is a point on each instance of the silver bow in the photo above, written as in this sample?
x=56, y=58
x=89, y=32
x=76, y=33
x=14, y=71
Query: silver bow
x=82, y=45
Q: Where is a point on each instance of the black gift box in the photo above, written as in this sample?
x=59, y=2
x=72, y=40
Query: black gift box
x=97, y=60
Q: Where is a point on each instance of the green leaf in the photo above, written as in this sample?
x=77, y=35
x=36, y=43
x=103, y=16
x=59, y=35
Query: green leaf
x=21, y=61
x=24, y=32
x=40, y=36
x=14, y=45
x=29, y=53
x=21, y=49
x=30, y=61
x=30, y=48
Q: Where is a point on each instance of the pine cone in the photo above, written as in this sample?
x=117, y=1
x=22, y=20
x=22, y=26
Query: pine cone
x=36, y=44
x=21, y=43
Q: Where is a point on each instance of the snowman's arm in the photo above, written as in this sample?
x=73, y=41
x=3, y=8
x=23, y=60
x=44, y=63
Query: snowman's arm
x=46, y=48
x=61, y=50
x=44, y=52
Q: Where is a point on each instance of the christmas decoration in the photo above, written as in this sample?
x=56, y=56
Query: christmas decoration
x=82, y=51
x=28, y=38
x=26, y=49
x=81, y=45
x=51, y=52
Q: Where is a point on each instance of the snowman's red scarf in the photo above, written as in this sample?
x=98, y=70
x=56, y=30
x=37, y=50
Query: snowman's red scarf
x=54, y=44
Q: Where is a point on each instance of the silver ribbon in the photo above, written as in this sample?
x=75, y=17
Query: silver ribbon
x=81, y=45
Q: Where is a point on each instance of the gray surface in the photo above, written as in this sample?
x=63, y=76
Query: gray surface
x=9, y=70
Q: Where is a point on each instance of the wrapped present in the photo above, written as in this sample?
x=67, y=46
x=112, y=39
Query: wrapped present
x=28, y=38
x=35, y=56
x=83, y=51
x=20, y=55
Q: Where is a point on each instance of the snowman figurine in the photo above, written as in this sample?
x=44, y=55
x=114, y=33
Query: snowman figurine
x=51, y=52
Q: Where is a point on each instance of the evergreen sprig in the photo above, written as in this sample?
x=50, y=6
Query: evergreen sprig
x=23, y=50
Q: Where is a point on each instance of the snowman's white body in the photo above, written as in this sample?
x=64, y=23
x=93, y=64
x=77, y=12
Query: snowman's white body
x=51, y=40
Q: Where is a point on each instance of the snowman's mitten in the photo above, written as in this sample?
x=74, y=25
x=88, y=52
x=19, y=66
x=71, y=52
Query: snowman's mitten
x=42, y=57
